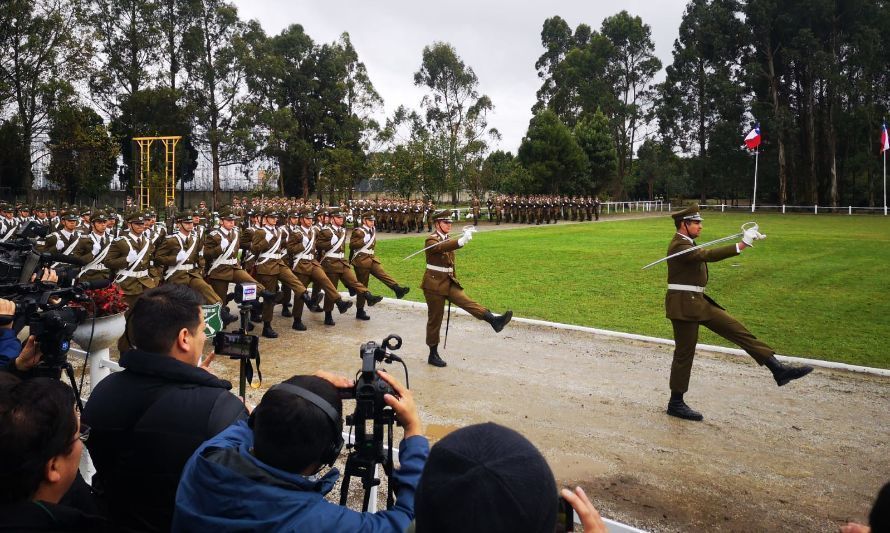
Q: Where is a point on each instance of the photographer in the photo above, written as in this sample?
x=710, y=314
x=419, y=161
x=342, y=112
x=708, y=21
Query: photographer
x=10, y=347
x=148, y=419
x=270, y=466
x=41, y=442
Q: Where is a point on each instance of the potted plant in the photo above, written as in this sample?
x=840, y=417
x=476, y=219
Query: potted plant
x=103, y=327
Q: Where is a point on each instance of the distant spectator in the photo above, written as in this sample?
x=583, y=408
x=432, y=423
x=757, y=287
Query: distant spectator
x=41, y=441
x=270, y=467
x=489, y=478
x=148, y=419
x=878, y=519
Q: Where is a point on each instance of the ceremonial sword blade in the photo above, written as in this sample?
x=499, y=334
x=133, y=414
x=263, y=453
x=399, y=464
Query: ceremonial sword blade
x=687, y=250
x=422, y=250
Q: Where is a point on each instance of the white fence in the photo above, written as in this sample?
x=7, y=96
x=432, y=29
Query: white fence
x=814, y=209
x=642, y=206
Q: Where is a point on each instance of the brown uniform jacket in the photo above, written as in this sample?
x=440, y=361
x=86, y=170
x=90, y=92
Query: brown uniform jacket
x=213, y=248
x=439, y=256
x=51, y=244
x=323, y=245
x=260, y=245
x=691, y=269
x=84, y=252
x=165, y=256
x=302, y=241
x=117, y=260
x=364, y=260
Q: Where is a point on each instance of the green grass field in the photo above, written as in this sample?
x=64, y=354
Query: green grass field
x=817, y=287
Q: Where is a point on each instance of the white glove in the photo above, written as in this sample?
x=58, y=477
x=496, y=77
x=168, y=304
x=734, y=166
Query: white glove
x=180, y=257
x=96, y=248
x=465, y=238
x=750, y=236
x=60, y=245
x=131, y=256
x=224, y=243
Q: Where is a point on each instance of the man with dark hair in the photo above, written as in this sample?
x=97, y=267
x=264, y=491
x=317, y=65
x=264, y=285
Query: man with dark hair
x=148, y=419
x=687, y=306
x=270, y=466
x=41, y=441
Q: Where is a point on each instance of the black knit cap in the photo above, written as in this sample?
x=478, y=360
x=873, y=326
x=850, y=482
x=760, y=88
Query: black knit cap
x=485, y=477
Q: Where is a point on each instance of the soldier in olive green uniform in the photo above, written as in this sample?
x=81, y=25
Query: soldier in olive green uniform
x=687, y=306
x=301, y=246
x=440, y=284
x=361, y=253
x=269, y=246
x=221, y=256
x=67, y=238
x=331, y=244
x=93, y=248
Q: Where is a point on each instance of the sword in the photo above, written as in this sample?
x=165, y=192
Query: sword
x=745, y=226
x=447, y=323
x=471, y=228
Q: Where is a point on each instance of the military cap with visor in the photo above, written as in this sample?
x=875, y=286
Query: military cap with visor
x=690, y=213
x=442, y=214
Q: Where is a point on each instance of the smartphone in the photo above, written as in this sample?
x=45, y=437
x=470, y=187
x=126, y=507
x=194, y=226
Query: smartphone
x=565, y=516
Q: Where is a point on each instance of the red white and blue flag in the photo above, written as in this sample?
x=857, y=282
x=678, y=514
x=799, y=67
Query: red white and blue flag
x=885, y=141
x=752, y=140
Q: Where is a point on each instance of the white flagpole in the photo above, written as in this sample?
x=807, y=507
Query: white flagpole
x=756, y=158
x=885, y=182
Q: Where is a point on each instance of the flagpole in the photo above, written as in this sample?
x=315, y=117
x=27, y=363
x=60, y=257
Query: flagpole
x=757, y=157
x=885, y=182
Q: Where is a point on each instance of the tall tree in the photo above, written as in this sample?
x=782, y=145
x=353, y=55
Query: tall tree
x=40, y=54
x=551, y=155
x=455, y=111
x=83, y=157
x=593, y=135
x=215, y=78
x=629, y=72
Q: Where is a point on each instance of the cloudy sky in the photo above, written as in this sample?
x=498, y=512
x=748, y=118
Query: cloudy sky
x=499, y=39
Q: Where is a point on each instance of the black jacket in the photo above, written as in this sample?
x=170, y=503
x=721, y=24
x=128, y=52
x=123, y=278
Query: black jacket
x=45, y=516
x=146, y=422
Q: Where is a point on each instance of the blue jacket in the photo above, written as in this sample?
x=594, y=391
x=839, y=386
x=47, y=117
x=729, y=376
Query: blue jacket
x=10, y=347
x=225, y=488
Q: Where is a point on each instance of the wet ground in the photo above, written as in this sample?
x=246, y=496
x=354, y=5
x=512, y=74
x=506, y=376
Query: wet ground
x=804, y=457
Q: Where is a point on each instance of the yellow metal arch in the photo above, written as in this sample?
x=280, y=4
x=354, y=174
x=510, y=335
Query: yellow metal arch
x=143, y=186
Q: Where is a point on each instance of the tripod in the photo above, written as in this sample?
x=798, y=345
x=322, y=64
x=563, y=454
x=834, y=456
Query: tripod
x=367, y=453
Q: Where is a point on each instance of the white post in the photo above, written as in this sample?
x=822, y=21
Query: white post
x=849, y=209
x=783, y=209
x=756, y=160
x=816, y=209
x=885, y=182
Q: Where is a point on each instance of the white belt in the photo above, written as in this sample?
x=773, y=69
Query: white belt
x=307, y=257
x=334, y=256
x=440, y=269
x=688, y=288
x=267, y=255
x=132, y=274
x=186, y=266
x=228, y=262
x=370, y=251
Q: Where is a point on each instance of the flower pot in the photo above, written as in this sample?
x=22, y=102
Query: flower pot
x=105, y=333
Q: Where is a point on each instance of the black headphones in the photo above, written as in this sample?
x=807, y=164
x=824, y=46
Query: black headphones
x=329, y=456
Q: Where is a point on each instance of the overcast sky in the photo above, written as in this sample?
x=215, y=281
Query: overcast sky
x=499, y=39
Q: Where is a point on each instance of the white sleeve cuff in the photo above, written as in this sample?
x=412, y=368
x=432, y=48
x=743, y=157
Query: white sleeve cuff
x=737, y=248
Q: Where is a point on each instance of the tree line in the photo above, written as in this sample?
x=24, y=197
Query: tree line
x=88, y=75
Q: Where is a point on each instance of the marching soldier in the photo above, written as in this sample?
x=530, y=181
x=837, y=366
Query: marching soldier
x=440, y=284
x=687, y=306
x=331, y=243
x=301, y=245
x=269, y=246
x=8, y=225
x=361, y=246
x=221, y=255
x=130, y=256
x=93, y=248
x=65, y=240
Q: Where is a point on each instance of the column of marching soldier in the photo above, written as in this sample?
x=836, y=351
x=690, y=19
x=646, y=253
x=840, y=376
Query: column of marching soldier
x=287, y=244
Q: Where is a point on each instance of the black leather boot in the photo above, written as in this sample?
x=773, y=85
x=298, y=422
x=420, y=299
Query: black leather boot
x=677, y=407
x=227, y=316
x=298, y=325
x=328, y=319
x=498, y=321
x=351, y=291
x=434, y=358
x=360, y=314
x=401, y=291
x=342, y=306
x=285, y=311
x=371, y=299
x=268, y=332
x=785, y=373
x=256, y=315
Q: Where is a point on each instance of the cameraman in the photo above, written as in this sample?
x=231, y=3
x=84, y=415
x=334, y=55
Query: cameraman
x=10, y=347
x=263, y=475
x=41, y=441
x=148, y=419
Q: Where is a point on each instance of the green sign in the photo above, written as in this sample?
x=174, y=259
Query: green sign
x=212, y=320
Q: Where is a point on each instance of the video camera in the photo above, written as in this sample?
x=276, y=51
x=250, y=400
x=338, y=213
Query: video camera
x=240, y=344
x=19, y=261
x=370, y=408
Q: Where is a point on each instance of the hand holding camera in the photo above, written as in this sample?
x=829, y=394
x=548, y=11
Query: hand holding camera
x=403, y=404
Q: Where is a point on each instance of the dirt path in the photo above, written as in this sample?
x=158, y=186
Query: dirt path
x=804, y=457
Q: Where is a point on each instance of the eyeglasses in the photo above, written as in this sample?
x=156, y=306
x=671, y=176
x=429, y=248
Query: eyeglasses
x=84, y=433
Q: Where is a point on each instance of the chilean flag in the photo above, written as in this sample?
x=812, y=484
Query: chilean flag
x=885, y=141
x=752, y=140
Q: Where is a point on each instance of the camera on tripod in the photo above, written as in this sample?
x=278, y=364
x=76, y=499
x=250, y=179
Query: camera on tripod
x=370, y=408
x=240, y=344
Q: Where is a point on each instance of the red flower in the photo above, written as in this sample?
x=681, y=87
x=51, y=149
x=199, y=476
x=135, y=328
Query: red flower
x=106, y=302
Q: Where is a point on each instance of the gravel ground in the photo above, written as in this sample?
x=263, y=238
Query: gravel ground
x=804, y=457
